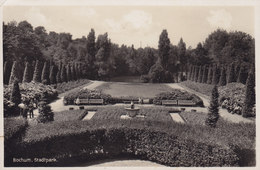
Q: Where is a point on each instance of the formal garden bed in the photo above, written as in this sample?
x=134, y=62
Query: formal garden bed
x=176, y=94
x=156, y=138
x=173, y=94
x=231, y=96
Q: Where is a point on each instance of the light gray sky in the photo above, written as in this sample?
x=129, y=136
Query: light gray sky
x=134, y=24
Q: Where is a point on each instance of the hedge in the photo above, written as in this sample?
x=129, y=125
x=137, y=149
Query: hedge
x=176, y=94
x=156, y=146
x=14, y=128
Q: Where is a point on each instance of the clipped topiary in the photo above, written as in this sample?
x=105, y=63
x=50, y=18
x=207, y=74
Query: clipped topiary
x=223, y=77
x=45, y=113
x=37, y=72
x=15, y=96
x=250, y=95
x=213, y=114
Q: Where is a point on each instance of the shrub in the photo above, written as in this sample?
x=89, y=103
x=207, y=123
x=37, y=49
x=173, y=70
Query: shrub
x=176, y=94
x=45, y=113
x=85, y=94
x=26, y=75
x=15, y=96
x=249, y=101
x=213, y=114
x=145, y=78
x=14, y=128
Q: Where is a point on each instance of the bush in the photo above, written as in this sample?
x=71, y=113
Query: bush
x=33, y=90
x=176, y=94
x=145, y=78
x=85, y=94
x=14, y=128
x=231, y=97
x=45, y=113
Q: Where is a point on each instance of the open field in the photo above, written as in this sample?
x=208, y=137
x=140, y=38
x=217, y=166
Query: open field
x=144, y=90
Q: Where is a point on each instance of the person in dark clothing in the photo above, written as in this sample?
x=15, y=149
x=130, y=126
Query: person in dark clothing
x=30, y=109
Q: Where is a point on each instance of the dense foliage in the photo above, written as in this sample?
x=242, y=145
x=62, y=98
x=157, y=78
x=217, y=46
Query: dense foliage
x=150, y=139
x=176, y=94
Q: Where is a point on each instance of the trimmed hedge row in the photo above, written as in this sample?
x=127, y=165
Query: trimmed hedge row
x=157, y=146
x=14, y=128
x=176, y=94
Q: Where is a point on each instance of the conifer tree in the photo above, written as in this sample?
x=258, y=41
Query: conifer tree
x=45, y=113
x=223, y=77
x=63, y=75
x=216, y=75
x=14, y=74
x=213, y=114
x=26, y=74
x=58, y=75
x=200, y=75
x=242, y=75
x=210, y=75
x=205, y=74
x=45, y=74
x=37, y=72
x=231, y=77
x=250, y=94
x=7, y=72
x=52, y=75
x=195, y=73
x=69, y=78
x=73, y=72
x=15, y=95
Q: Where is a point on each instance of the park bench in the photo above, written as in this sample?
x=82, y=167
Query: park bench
x=96, y=101
x=169, y=102
x=129, y=101
x=186, y=103
x=81, y=101
x=146, y=101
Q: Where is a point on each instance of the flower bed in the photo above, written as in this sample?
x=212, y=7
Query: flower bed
x=33, y=90
x=85, y=94
x=232, y=96
x=176, y=94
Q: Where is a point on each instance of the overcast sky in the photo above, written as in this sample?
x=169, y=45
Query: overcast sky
x=136, y=24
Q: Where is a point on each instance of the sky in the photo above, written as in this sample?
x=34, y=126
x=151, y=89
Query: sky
x=137, y=25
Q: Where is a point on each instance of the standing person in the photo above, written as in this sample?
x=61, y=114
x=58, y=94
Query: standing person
x=25, y=110
x=30, y=108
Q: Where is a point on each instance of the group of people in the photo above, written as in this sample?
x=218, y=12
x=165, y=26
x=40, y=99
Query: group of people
x=27, y=107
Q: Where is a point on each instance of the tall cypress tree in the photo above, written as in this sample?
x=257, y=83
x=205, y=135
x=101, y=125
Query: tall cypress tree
x=210, y=75
x=58, y=75
x=53, y=75
x=197, y=74
x=26, y=74
x=73, y=72
x=223, y=77
x=213, y=114
x=200, y=75
x=190, y=72
x=14, y=74
x=45, y=74
x=69, y=78
x=15, y=95
x=231, y=76
x=7, y=72
x=63, y=75
x=216, y=75
x=164, y=48
x=242, y=75
x=205, y=74
x=250, y=94
x=37, y=72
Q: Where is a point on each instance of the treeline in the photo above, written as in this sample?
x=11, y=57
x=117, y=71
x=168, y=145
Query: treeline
x=219, y=74
x=99, y=58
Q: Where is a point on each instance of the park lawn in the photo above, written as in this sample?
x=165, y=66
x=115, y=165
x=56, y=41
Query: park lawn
x=205, y=89
x=143, y=90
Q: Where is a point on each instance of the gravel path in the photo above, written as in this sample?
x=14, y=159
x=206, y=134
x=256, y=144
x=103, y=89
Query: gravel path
x=206, y=100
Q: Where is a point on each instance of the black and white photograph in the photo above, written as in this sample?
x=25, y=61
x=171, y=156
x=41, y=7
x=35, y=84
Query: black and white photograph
x=151, y=84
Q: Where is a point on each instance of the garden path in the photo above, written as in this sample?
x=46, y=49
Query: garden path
x=206, y=100
x=58, y=105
